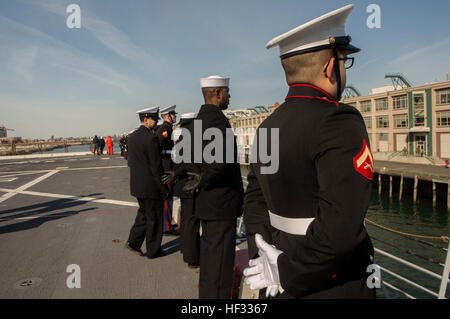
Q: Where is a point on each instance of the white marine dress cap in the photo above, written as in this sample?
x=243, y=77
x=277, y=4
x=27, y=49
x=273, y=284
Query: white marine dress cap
x=315, y=35
x=214, y=81
x=149, y=112
x=188, y=116
x=167, y=110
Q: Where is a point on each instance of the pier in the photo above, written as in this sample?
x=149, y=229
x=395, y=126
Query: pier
x=39, y=147
x=419, y=180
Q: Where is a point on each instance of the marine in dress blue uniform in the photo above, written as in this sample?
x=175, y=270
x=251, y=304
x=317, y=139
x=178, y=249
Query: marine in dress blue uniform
x=190, y=225
x=164, y=133
x=312, y=209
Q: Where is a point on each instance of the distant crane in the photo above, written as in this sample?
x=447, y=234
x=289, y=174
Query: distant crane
x=350, y=91
x=399, y=81
x=3, y=131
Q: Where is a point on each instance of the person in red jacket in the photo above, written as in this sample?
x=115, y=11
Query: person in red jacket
x=109, y=145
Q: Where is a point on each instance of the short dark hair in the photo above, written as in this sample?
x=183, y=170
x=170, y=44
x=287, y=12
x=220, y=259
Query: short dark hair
x=304, y=68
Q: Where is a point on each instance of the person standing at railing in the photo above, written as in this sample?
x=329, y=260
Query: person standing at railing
x=96, y=144
x=110, y=145
x=306, y=221
x=102, y=145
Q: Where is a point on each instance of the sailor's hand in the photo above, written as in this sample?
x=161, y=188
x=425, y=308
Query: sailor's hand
x=193, y=182
x=168, y=177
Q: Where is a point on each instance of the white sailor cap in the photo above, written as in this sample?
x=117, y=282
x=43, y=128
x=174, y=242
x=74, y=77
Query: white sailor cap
x=323, y=32
x=188, y=116
x=167, y=110
x=149, y=112
x=214, y=81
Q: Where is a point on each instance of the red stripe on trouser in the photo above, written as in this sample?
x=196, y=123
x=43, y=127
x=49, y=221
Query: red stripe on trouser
x=166, y=208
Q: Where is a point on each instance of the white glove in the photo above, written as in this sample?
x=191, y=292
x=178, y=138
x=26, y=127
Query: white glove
x=263, y=271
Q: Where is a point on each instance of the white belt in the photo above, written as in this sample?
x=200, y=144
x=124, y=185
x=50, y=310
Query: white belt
x=294, y=226
x=168, y=152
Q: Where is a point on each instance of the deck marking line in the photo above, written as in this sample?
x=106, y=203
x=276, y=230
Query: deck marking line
x=26, y=172
x=27, y=185
x=22, y=174
x=78, y=198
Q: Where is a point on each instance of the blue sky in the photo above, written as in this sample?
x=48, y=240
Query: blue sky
x=131, y=54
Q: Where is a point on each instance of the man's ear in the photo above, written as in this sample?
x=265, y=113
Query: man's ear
x=329, y=71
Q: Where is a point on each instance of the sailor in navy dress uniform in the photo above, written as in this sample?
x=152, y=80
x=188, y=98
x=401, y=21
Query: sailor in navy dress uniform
x=190, y=225
x=164, y=133
x=219, y=198
x=146, y=185
x=312, y=209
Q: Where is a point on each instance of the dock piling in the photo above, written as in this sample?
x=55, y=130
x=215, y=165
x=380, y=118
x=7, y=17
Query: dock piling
x=379, y=184
x=400, y=191
x=390, y=186
x=416, y=183
x=434, y=194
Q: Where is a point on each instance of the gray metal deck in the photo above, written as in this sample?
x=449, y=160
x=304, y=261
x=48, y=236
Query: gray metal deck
x=79, y=214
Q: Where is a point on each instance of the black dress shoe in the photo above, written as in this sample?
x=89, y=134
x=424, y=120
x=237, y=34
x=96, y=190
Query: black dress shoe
x=193, y=265
x=160, y=253
x=172, y=232
x=136, y=251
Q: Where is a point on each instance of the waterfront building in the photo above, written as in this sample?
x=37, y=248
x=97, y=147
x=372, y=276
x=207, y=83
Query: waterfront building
x=407, y=120
x=244, y=123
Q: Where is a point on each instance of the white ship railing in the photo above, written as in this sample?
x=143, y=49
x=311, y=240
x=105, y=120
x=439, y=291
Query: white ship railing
x=444, y=278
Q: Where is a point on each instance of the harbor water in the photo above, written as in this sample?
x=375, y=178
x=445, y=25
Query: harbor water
x=82, y=148
x=420, y=219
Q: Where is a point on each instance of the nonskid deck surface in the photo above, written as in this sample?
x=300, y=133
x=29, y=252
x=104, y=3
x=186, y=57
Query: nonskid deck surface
x=57, y=212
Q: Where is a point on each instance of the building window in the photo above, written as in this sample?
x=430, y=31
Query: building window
x=366, y=106
x=419, y=109
x=382, y=121
x=401, y=120
x=400, y=102
x=368, y=122
x=443, y=118
x=443, y=96
x=381, y=104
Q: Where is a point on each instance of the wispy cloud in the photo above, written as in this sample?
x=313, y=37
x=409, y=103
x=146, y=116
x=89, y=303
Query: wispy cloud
x=106, y=33
x=23, y=61
x=21, y=57
x=421, y=51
